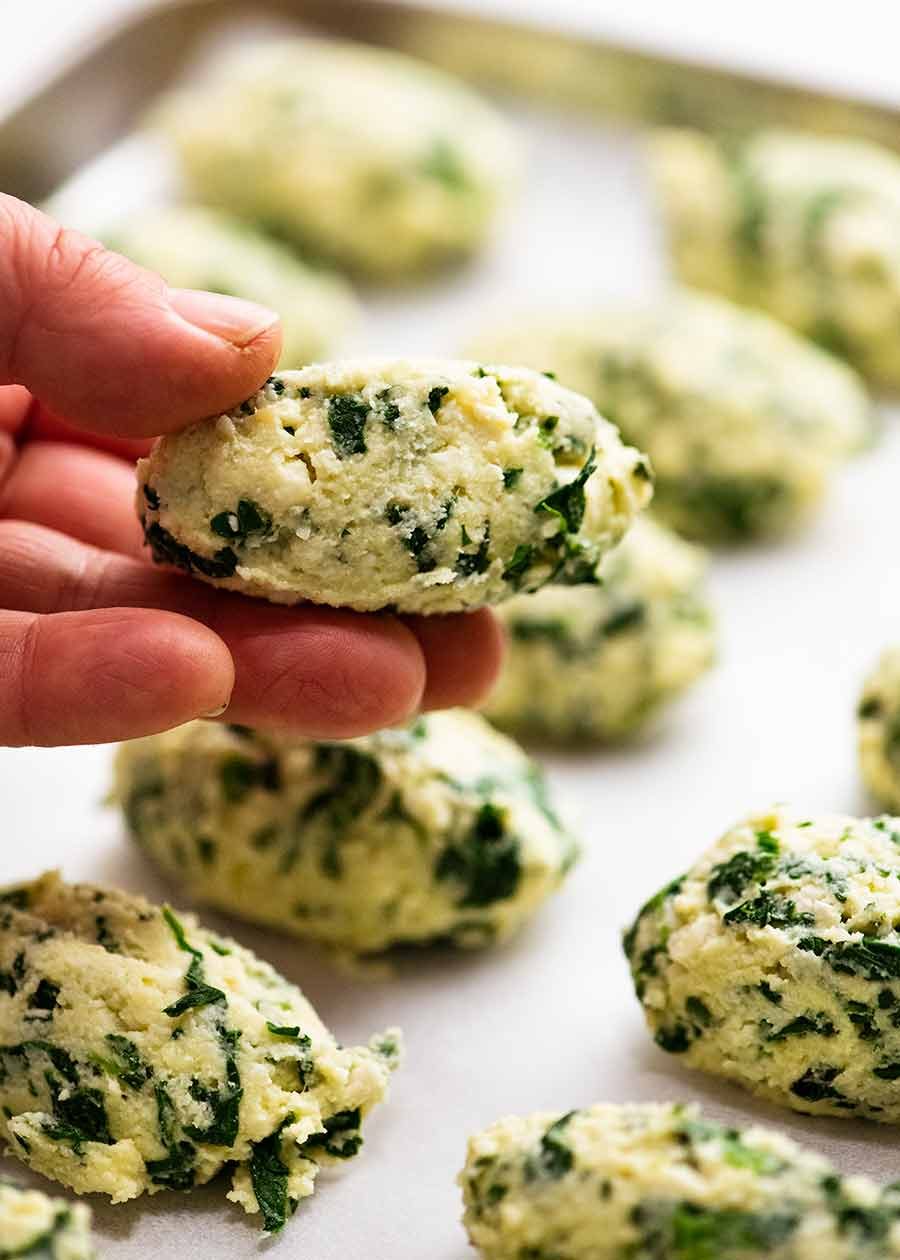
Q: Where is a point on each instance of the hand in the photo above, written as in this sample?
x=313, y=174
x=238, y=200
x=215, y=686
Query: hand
x=95, y=643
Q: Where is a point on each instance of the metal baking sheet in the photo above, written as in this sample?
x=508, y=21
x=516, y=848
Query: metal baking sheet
x=548, y=1021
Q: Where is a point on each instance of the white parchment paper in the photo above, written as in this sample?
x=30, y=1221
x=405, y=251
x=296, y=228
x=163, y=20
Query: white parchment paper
x=549, y=1021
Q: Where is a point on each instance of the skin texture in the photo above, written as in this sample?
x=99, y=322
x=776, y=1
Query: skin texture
x=94, y=643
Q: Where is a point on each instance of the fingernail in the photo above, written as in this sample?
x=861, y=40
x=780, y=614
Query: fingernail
x=230, y=318
x=214, y=713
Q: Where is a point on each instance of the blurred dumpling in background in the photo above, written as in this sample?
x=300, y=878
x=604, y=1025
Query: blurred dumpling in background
x=438, y=830
x=367, y=158
x=193, y=247
x=879, y=730
x=597, y=662
x=743, y=420
x=803, y=226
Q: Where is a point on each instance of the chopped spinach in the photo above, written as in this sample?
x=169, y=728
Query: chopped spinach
x=815, y=1085
x=347, y=416
x=341, y=1138
x=176, y=1169
x=511, y=477
x=444, y=163
x=486, y=861
x=269, y=1177
x=135, y=1071
x=567, y=502
x=471, y=562
x=355, y=780
x=554, y=1157
x=871, y=957
x=436, y=396
x=239, y=775
x=247, y=521
x=817, y=1024
x=223, y=1100
x=682, y=1230
x=166, y=549
x=45, y=997
x=729, y=879
x=767, y=910
x=519, y=564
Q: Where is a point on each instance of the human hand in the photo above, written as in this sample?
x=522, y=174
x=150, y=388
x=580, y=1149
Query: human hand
x=95, y=643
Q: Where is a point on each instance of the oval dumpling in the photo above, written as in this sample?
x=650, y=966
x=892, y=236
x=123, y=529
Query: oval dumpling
x=661, y=1181
x=597, y=662
x=440, y=830
x=775, y=962
x=805, y=227
x=419, y=486
x=140, y=1052
x=370, y=159
x=743, y=420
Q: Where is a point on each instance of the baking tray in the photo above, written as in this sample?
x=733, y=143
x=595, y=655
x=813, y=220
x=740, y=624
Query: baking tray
x=548, y=1021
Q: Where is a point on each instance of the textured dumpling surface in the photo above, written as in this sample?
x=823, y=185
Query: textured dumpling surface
x=656, y=1181
x=596, y=662
x=371, y=159
x=440, y=829
x=195, y=247
x=33, y=1224
x=775, y=962
x=879, y=731
x=804, y=226
x=742, y=419
x=140, y=1052
x=423, y=486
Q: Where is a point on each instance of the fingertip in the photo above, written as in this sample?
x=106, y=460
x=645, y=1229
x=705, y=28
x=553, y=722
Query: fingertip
x=122, y=673
x=463, y=654
x=322, y=672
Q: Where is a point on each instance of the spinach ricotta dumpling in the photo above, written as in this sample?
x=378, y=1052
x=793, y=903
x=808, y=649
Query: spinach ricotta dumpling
x=656, y=1181
x=194, y=247
x=804, y=226
x=423, y=486
x=879, y=731
x=139, y=1052
x=775, y=962
x=34, y=1225
x=743, y=420
x=439, y=830
x=595, y=662
x=375, y=161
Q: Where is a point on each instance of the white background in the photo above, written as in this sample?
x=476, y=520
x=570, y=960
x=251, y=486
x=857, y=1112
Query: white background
x=550, y=1020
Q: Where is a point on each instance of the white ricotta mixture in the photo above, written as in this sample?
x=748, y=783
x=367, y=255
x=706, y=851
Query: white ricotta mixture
x=140, y=1052
x=653, y=1181
x=597, y=662
x=194, y=247
x=420, y=486
x=371, y=159
x=806, y=227
x=439, y=830
x=34, y=1225
x=775, y=962
x=743, y=420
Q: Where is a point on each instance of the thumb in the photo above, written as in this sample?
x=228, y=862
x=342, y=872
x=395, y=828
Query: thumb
x=107, y=345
